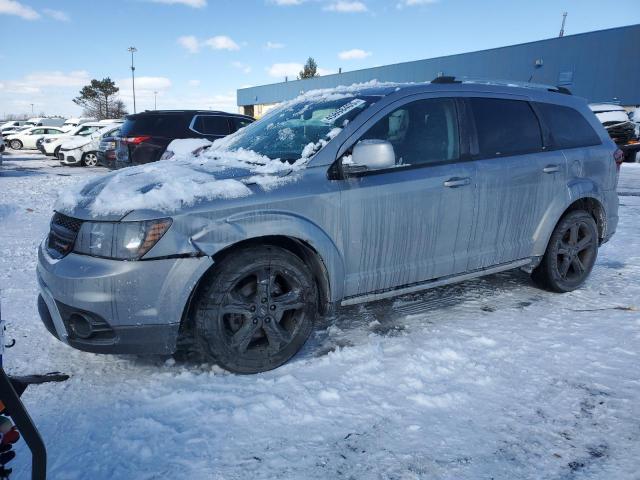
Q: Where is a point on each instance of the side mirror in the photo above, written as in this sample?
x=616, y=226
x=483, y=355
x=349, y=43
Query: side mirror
x=372, y=155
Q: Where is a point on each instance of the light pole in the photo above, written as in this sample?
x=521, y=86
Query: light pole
x=155, y=94
x=133, y=77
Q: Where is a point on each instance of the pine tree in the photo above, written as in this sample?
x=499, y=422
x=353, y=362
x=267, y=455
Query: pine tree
x=98, y=99
x=310, y=69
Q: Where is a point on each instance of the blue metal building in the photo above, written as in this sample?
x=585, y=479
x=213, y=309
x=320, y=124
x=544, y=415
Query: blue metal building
x=601, y=66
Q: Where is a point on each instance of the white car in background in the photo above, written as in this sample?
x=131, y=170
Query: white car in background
x=73, y=122
x=83, y=150
x=1, y=148
x=27, y=138
x=51, y=145
x=45, y=122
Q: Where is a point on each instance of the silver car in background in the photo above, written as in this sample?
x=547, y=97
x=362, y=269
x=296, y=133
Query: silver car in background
x=339, y=197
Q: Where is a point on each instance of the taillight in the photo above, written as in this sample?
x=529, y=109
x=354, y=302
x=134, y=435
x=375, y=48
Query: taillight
x=136, y=140
x=618, y=157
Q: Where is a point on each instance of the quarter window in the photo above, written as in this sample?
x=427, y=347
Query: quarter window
x=569, y=129
x=212, y=125
x=421, y=132
x=505, y=127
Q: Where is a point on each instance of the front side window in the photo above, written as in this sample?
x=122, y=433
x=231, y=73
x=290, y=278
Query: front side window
x=421, y=132
x=505, y=127
x=38, y=131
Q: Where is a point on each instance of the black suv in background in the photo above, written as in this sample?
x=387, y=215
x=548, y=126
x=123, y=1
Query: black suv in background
x=144, y=136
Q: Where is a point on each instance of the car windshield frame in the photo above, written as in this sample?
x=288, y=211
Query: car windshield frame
x=286, y=131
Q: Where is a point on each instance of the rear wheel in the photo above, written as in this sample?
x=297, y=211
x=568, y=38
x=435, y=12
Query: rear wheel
x=90, y=159
x=256, y=310
x=570, y=255
x=15, y=144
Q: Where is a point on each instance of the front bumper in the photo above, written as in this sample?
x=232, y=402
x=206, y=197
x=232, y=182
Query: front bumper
x=134, y=307
x=70, y=157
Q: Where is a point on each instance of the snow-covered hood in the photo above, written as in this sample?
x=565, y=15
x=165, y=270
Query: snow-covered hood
x=168, y=186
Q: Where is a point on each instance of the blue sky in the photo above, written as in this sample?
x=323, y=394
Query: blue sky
x=196, y=53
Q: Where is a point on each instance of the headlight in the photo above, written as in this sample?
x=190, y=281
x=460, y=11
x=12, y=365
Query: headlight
x=120, y=240
x=49, y=140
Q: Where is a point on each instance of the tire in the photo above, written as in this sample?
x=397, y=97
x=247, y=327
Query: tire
x=15, y=144
x=255, y=310
x=571, y=253
x=90, y=159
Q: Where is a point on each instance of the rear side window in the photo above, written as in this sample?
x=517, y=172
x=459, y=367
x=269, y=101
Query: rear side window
x=166, y=125
x=212, y=125
x=569, y=129
x=239, y=123
x=505, y=127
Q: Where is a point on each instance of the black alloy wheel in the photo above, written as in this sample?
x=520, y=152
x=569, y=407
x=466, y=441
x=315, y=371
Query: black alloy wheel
x=257, y=309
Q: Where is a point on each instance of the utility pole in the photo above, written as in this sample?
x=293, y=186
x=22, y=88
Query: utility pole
x=155, y=94
x=564, y=20
x=133, y=77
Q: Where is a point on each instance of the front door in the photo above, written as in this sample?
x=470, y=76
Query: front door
x=412, y=222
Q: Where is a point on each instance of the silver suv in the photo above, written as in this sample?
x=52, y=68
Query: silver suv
x=338, y=197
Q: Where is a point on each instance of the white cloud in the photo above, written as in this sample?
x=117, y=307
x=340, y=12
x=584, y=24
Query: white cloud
x=354, y=54
x=190, y=43
x=33, y=83
x=11, y=7
x=194, y=83
x=188, y=3
x=57, y=15
x=273, y=45
x=242, y=67
x=281, y=70
x=287, y=3
x=146, y=83
x=221, y=42
x=415, y=3
x=345, y=6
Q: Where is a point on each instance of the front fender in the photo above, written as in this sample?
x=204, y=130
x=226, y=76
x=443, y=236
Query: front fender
x=224, y=233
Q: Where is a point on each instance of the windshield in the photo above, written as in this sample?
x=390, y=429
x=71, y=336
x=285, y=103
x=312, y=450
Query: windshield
x=285, y=132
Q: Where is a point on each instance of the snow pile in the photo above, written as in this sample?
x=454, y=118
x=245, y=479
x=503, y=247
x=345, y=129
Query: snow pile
x=183, y=147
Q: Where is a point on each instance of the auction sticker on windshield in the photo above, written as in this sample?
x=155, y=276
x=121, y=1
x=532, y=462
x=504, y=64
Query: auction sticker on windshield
x=343, y=110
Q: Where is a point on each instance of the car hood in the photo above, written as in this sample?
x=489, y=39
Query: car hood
x=74, y=142
x=167, y=186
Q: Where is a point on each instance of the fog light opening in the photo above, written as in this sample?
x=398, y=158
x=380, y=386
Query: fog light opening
x=80, y=326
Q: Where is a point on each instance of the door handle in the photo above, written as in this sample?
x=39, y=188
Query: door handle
x=457, y=182
x=551, y=169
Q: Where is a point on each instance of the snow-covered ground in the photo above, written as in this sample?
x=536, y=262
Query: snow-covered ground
x=491, y=378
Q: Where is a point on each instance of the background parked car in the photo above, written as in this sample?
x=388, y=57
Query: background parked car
x=83, y=150
x=1, y=148
x=45, y=122
x=144, y=136
x=71, y=123
x=107, y=152
x=620, y=127
x=11, y=124
x=27, y=138
x=51, y=145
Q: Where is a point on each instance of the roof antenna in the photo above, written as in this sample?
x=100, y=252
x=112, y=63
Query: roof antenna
x=564, y=20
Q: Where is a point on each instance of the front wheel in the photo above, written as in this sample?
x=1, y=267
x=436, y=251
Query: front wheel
x=570, y=255
x=256, y=309
x=15, y=144
x=90, y=159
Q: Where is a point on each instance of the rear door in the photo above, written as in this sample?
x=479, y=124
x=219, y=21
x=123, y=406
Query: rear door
x=412, y=222
x=518, y=178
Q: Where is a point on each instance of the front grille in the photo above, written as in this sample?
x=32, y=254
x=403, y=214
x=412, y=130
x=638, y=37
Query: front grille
x=621, y=133
x=62, y=236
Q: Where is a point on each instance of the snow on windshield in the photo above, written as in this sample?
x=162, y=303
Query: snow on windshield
x=231, y=165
